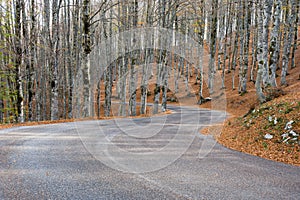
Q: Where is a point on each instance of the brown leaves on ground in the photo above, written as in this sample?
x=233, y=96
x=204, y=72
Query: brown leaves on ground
x=148, y=114
x=246, y=134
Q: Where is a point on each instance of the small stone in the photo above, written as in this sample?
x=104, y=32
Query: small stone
x=270, y=118
x=293, y=133
x=289, y=125
x=285, y=141
x=285, y=135
x=275, y=121
x=268, y=136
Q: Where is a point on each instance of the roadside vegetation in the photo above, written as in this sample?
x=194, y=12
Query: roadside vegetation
x=270, y=130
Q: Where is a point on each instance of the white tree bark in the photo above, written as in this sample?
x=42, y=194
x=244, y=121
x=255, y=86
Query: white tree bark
x=288, y=42
x=274, y=42
x=213, y=35
x=260, y=95
x=245, y=48
x=266, y=22
x=295, y=42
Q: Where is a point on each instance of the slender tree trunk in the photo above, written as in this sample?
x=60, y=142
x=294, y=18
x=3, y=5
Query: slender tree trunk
x=55, y=40
x=85, y=68
x=147, y=57
x=254, y=43
x=201, y=25
x=260, y=95
x=164, y=84
x=133, y=74
x=235, y=48
x=288, y=43
x=228, y=20
x=213, y=35
x=245, y=60
x=296, y=25
x=266, y=21
x=108, y=72
x=31, y=76
x=75, y=63
x=18, y=63
x=124, y=68
x=160, y=67
x=274, y=43
x=242, y=46
x=45, y=73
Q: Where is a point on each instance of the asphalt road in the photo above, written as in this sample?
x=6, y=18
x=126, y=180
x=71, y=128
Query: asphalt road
x=148, y=158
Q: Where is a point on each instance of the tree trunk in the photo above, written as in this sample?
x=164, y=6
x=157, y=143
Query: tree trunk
x=200, y=35
x=266, y=21
x=133, y=74
x=295, y=43
x=108, y=71
x=288, y=42
x=213, y=35
x=18, y=63
x=254, y=43
x=124, y=68
x=245, y=60
x=260, y=95
x=274, y=43
x=147, y=57
x=31, y=72
x=85, y=68
x=55, y=59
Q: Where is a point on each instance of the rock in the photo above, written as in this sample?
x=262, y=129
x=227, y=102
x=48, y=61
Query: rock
x=268, y=136
x=285, y=141
x=288, y=125
x=285, y=135
x=293, y=133
x=270, y=118
x=275, y=121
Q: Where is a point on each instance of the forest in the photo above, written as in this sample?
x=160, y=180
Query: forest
x=50, y=52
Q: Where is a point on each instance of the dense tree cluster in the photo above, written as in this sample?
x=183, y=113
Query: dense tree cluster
x=47, y=51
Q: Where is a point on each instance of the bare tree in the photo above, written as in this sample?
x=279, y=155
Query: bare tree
x=288, y=40
x=212, y=45
x=18, y=62
x=258, y=83
x=266, y=22
x=274, y=42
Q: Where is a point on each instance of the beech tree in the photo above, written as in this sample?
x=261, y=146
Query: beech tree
x=260, y=54
x=47, y=53
x=18, y=62
x=267, y=7
x=244, y=47
x=274, y=42
x=133, y=75
x=290, y=17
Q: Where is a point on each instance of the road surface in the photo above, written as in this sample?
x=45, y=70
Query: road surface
x=65, y=161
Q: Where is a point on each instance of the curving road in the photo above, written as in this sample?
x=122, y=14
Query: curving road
x=101, y=160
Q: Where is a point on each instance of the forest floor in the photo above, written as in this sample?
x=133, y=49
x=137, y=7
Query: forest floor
x=251, y=122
